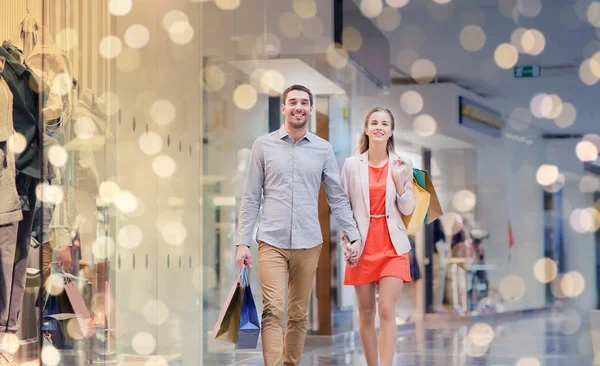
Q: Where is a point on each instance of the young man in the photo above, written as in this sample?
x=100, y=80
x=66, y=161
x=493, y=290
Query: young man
x=285, y=173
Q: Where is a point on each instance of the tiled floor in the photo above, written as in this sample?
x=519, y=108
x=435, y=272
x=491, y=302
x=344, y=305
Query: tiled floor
x=552, y=338
x=538, y=340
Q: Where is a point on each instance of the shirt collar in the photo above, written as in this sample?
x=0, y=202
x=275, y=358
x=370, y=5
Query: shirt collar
x=10, y=61
x=283, y=133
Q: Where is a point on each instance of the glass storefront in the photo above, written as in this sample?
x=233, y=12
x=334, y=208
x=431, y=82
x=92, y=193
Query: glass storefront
x=147, y=130
x=119, y=190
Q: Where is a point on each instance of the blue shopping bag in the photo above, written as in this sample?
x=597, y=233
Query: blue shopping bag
x=249, y=324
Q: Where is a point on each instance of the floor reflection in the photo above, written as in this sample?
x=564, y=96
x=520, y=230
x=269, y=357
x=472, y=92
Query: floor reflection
x=547, y=339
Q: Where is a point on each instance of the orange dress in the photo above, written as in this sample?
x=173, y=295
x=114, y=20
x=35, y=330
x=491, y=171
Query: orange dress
x=379, y=258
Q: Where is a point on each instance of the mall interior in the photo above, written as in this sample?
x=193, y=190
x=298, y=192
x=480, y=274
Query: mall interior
x=125, y=136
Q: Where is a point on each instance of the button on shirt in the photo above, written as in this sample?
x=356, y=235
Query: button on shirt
x=285, y=176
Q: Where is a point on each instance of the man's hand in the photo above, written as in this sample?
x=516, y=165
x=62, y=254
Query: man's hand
x=64, y=256
x=244, y=256
x=351, y=255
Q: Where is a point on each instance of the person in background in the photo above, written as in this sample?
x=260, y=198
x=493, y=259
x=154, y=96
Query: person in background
x=379, y=186
x=440, y=254
x=285, y=172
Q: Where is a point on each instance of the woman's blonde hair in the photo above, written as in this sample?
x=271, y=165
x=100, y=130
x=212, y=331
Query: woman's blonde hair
x=363, y=146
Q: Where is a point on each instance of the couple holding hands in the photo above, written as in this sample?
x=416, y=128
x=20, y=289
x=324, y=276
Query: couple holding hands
x=285, y=173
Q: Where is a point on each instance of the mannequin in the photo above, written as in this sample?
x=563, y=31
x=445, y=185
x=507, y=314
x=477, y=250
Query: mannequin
x=92, y=165
x=54, y=225
x=27, y=172
x=10, y=209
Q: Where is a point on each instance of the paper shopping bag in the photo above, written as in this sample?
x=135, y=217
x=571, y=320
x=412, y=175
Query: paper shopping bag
x=227, y=326
x=249, y=326
x=419, y=177
x=83, y=314
x=414, y=222
x=435, y=209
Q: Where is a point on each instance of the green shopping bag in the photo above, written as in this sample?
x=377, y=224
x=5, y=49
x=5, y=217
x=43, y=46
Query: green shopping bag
x=424, y=181
x=419, y=176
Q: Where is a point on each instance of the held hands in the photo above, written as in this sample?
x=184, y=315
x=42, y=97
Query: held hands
x=244, y=256
x=351, y=252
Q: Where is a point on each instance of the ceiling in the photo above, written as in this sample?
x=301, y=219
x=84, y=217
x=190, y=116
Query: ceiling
x=435, y=142
x=292, y=71
x=431, y=31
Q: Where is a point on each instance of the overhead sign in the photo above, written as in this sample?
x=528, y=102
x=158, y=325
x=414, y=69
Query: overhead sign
x=527, y=71
x=479, y=117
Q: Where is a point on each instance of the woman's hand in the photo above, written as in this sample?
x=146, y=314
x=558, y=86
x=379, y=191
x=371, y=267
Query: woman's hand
x=400, y=173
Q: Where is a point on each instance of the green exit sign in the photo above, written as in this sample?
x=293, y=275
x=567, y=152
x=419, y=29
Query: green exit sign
x=527, y=71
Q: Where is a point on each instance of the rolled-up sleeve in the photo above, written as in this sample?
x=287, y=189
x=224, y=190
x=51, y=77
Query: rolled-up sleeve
x=251, y=196
x=337, y=198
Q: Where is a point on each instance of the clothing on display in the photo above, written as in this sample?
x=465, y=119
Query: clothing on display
x=458, y=245
x=42, y=215
x=91, y=151
x=16, y=283
x=86, y=171
x=10, y=210
x=19, y=176
x=39, y=103
x=58, y=220
x=53, y=65
x=14, y=51
x=6, y=101
x=50, y=63
x=8, y=240
x=26, y=35
x=24, y=85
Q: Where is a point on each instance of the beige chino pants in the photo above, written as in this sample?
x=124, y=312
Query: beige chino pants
x=299, y=267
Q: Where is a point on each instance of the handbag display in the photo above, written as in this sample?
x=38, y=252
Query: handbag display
x=61, y=330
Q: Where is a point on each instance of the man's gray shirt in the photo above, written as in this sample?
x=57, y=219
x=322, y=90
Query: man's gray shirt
x=286, y=177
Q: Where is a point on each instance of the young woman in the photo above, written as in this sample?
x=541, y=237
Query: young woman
x=379, y=187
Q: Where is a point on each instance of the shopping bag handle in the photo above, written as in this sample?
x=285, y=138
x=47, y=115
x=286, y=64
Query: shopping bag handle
x=243, y=279
x=66, y=275
x=408, y=165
